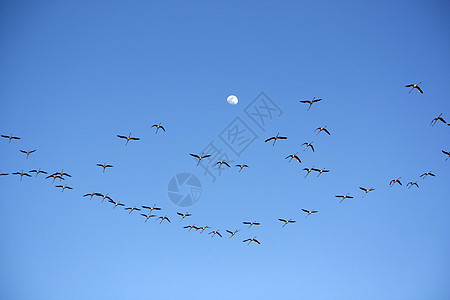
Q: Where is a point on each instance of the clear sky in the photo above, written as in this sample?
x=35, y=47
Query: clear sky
x=74, y=74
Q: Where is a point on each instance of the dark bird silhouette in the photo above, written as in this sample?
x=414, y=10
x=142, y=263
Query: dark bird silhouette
x=10, y=137
x=37, y=172
x=252, y=240
x=293, y=156
x=438, y=118
x=104, y=166
x=54, y=176
x=321, y=171
x=149, y=216
x=446, y=153
x=62, y=174
x=199, y=157
x=3, y=174
x=63, y=187
x=250, y=224
x=222, y=162
x=164, y=218
x=314, y=100
x=187, y=214
x=115, y=203
x=320, y=129
x=427, y=174
x=309, y=212
x=410, y=184
x=27, y=152
x=103, y=196
x=344, y=197
x=90, y=195
x=151, y=208
x=158, y=127
x=275, y=138
x=128, y=138
x=308, y=145
x=203, y=228
x=366, y=190
x=241, y=167
x=132, y=208
x=191, y=226
x=414, y=86
x=232, y=233
x=393, y=181
x=308, y=170
x=215, y=232
x=286, y=221
x=21, y=173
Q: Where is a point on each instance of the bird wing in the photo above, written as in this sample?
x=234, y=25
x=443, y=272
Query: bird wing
x=207, y=155
x=180, y=214
x=194, y=155
x=306, y=211
x=326, y=131
x=361, y=188
x=256, y=241
x=282, y=220
x=317, y=100
x=246, y=223
x=219, y=234
x=162, y=128
x=409, y=85
x=100, y=165
x=23, y=151
x=282, y=137
x=226, y=164
x=256, y=223
x=298, y=159
x=304, y=101
x=246, y=240
x=269, y=139
x=419, y=89
x=121, y=136
x=312, y=147
x=445, y=152
x=134, y=138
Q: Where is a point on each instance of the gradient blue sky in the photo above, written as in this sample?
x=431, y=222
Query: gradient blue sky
x=74, y=74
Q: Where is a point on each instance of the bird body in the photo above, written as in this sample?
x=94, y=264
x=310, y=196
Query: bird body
x=252, y=240
x=10, y=137
x=275, y=138
x=291, y=156
x=320, y=129
x=199, y=157
x=314, y=100
x=128, y=138
x=158, y=126
x=245, y=166
x=309, y=212
x=28, y=152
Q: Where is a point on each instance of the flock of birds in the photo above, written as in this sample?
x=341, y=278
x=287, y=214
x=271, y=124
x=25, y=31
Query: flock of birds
x=61, y=176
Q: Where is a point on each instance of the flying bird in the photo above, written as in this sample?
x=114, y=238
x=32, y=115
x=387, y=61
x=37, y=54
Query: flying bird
x=251, y=223
x=411, y=184
x=158, y=127
x=115, y=203
x=104, y=166
x=275, y=138
x=187, y=214
x=215, y=232
x=164, y=218
x=63, y=187
x=314, y=100
x=132, y=208
x=10, y=137
x=446, y=153
x=191, y=226
x=293, y=156
x=37, y=172
x=220, y=163
x=62, y=174
x=21, y=173
x=427, y=174
x=232, y=233
x=150, y=216
x=321, y=171
x=320, y=129
x=128, y=138
x=103, y=196
x=438, y=118
x=366, y=190
x=344, y=197
x=241, y=167
x=54, y=176
x=309, y=212
x=308, y=145
x=393, y=181
x=27, y=152
x=308, y=170
x=286, y=221
x=151, y=208
x=91, y=195
x=252, y=240
x=414, y=86
x=203, y=228
x=199, y=157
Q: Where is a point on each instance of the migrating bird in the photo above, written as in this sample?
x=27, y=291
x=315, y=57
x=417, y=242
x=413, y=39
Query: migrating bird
x=21, y=174
x=116, y=203
x=10, y=137
x=308, y=170
x=150, y=216
x=232, y=233
x=366, y=190
x=151, y=208
x=222, y=162
x=132, y=208
x=293, y=156
x=446, y=153
x=251, y=223
x=104, y=166
x=252, y=240
x=158, y=127
x=411, y=184
x=187, y=214
x=215, y=232
x=309, y=212
x=393, y=181
x=314, y=100
x=191, y=226
x=426, y=174
x=37, y=172
x=62, y=174
x=275, y=138
x=199, y=157
x=164, y=218
x=438, y=118
x=63, y=187
x=91, y=195
x=286, y=222
x=27, y=152
x=241, y=167
x=320, y=129
x=54, y=177
x=203, y=228
x=414, y=86
x=344, y=197
x=103, y=196
x=308, y=145
x=321, y=171
x=128, y=138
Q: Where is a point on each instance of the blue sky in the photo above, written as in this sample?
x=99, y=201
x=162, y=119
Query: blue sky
x=76, y=74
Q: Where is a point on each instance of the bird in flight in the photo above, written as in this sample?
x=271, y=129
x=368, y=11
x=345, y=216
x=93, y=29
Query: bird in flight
x=10, y=137
x=37, y=172
x=314, y=100
x=321, y=171
x=151, y=208
x=309, y=212
x=63, y=187
x=203, y=228
x=252, y=240
x=150, y=216
x=132, y=208
x=115, y=203
x=187, y=214
x=251, y=223
x=27, y=152
x=410, y=184
x=446, y=153
x=128, y=138
x=308, y=145
x=232, y=233
x=215, y=232
x=320, y=129
x=366, y=190
x=393, y=181
x=438, y=118
x=158, y=127
x=54, y=176
x=222, y=162
x=164, y=218
x=344, y=197
x=191, y=226
x=308, y=170
x=293, y=156
x=414, y=86
x=21, y=173
x=286, y=221
x=427, y=174
x=91, y=195
x=104, y=166
x=62, y=174
x=275, y=138
x=199, y=157
x=241, y=167
x=103, y=196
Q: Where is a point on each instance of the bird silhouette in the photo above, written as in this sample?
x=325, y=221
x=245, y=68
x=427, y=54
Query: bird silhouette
x=115, y=203
x=104, y=166
x=128, y=138
x=199, y=157
x=438, y=118
x=158, y=126
x=151, y=208
x=308, y=170
x=215, y=232
x=321, y=171
x=252, y=240
x=366, y=190
x=250, y=224
x=38, y=172
x=54, y=176
x=414, y=86
x=275, y=138
x=21, y=173
x=187, y=214
x=164, y=218
x=424, y=175
x=222, y=162
x=446, y=153
x=63, y=187
x=314, y=100
x=149, y=216
x=394, y=181
x=291, y=156
x=28, y=152
x=241, y=167
x=410, y=184
x=308, y=145
x=191, y=227
x=132, y=209
x=232, y=233
x=286, y=221
x=344, y=197
x=320, y=129
x=10, y=137
x=309, y=212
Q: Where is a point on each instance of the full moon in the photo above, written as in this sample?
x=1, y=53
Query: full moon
x=232, y=99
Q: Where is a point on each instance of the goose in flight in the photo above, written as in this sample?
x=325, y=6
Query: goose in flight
x=164, y=218
x=54, y=176
x=438, y=118
x=308, y=170
x=21, y=173
x=414, y=86
x=37, y=172
x=252, y=240
x=366, y=190
x=103, y=196
x=410, y=184
x=308, y=145
x=115, y=203
x=199, y=157
x=128, y=138
x=132, y=208
x=222, y=162
x=151, y=208
x=344, y=197
x=250, y=224
x=90, y=195
x=191, y=226
x=321, y=171
x=203, y=228
x=291, y=156
x=232, y=233
x=320, y=129
x=393, y=181
x=104, y=166
x=158, y=126
x=63, y=187
x=149, y=216
x=215, y=232
x=309, y=212
x=28, y=152
x=427, y=174
x=286, y=221
x=187, y=214
x=275, y=138
x=62, y=173
x=10, y=137
x=245, y=166
x=314, y=100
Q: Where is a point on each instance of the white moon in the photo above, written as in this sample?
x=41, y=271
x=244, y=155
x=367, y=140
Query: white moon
x=232, y=99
